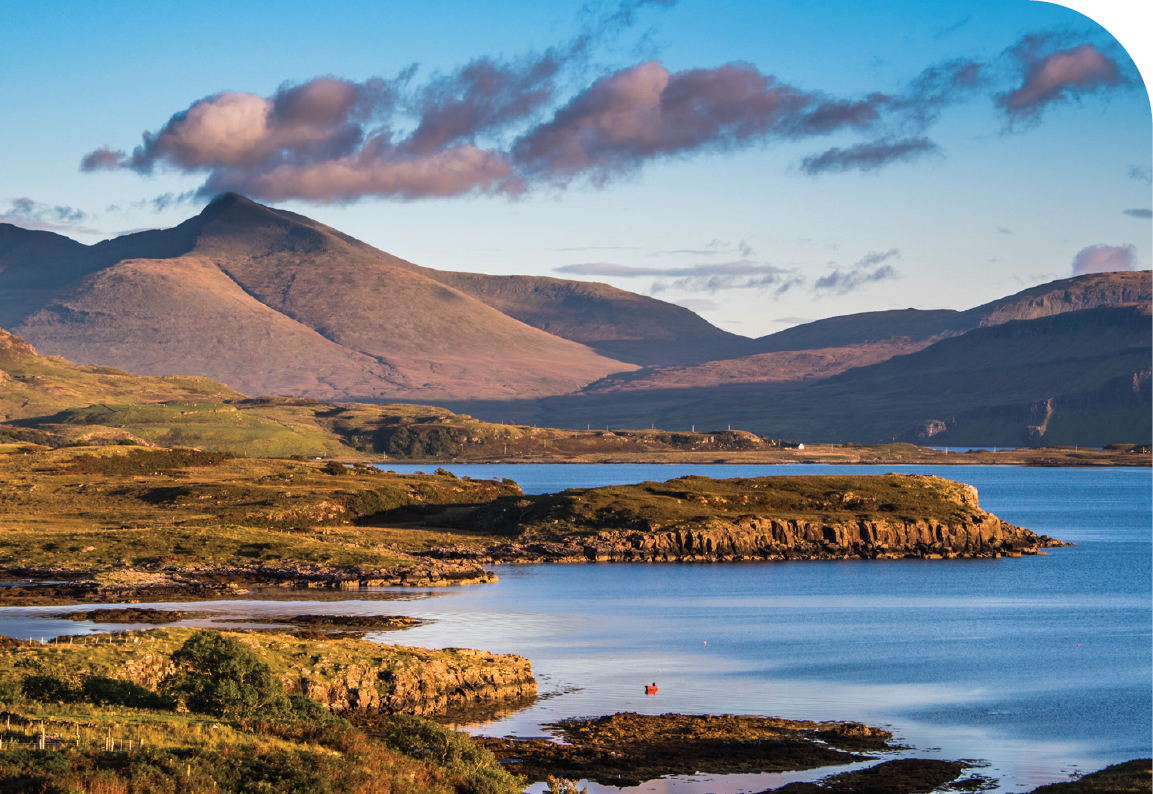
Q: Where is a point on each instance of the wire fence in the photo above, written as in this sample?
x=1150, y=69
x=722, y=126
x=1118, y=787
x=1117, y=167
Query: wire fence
x=33, y=740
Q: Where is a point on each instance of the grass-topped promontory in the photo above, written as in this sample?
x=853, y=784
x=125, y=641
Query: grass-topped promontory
x=693, y=502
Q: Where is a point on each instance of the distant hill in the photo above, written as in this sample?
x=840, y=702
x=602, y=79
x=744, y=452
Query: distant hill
x=1055, y=297
x=1079, y=377
x=35, y=385
x=829, y=347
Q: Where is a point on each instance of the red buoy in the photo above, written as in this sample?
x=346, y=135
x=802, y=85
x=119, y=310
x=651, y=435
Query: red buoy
x=650, y=689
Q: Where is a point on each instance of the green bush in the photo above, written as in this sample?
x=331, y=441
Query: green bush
x=406, y=441
x=49, y=689
x=217, y=674
x=104, y=691
x=451, y=751
x=382, y=500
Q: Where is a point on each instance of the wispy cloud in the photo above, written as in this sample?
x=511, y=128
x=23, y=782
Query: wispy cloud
x=1104, y=259
x=1141, y=173
x=867, y=156
x=165, y=200
x=599, y=248
x=869, y=269
x=698, y=304
x=1138, y=213
x=741, y=274
x=713, y=247
x=30, y=214
x=945, y=31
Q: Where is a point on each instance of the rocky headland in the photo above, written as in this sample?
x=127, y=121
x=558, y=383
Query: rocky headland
x=345, y=675
x=698, y=519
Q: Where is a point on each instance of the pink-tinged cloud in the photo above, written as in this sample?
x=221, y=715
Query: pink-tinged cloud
x=501, y=126
x=1104, y=259
x=482, y=97
x=447, y=173
x=319, y=119
x=645, y=112
x=1057, y=77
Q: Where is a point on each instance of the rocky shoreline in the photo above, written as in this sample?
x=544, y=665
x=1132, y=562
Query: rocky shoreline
x=628, y=749
x=48, y=586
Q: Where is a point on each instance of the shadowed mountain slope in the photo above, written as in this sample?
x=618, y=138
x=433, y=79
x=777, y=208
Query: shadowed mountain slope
x=1074, y=378
x=616, y=323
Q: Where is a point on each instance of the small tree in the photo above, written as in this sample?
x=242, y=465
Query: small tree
x=217, y=674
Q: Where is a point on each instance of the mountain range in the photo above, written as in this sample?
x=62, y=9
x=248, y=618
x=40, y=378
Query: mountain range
x=271, y=302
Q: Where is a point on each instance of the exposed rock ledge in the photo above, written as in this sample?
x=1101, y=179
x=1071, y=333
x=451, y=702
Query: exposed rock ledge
x=771, y=539
x=421, y=682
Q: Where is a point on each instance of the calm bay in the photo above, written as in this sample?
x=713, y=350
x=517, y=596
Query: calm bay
x=1039, y=666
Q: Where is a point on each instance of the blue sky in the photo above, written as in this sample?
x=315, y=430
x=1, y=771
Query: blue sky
x=763, y=163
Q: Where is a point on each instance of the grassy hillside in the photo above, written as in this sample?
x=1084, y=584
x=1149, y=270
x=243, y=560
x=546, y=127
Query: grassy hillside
x=692, y=502
x=34, y=385
x=96, y=509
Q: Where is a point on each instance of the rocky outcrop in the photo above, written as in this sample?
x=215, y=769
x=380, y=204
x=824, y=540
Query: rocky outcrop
x=418, y=681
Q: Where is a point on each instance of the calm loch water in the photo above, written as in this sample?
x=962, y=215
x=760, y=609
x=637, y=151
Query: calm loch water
x=1038, y=666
